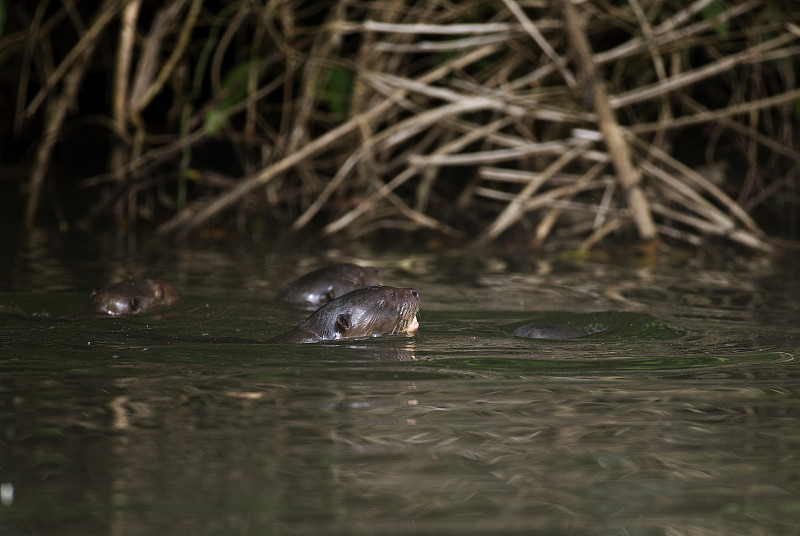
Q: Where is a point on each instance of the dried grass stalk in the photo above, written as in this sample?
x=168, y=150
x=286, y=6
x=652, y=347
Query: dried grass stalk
x=412, y=105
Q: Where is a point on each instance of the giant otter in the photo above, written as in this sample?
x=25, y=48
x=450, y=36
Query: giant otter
x=537, y=330
x=323, y=285
x=360, y=313
x=129, y=297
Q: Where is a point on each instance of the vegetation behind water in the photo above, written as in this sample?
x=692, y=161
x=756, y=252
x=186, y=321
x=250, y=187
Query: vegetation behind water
x=641, y=120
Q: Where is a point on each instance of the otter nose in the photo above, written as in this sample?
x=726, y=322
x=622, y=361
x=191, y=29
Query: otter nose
x=414, y=293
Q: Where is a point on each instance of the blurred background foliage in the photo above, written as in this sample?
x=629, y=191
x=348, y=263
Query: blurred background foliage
x=530, y=120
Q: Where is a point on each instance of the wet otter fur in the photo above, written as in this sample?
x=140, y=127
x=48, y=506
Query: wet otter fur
x=361, y=313
x=538, y=330
x=321, y=286
x=129, y=297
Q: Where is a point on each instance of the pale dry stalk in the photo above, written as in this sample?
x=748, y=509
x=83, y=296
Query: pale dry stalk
x=613, y=135
x=192, y=217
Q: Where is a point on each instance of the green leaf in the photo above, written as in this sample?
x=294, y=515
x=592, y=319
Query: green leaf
x=712, y=10
x=337, y=91
x=236, y=78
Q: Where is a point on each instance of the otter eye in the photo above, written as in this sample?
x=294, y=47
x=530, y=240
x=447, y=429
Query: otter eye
x=134, y=305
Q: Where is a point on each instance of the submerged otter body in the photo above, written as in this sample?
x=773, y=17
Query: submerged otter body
x=323, y=285
x=361, y=313
x=538, y=330
x=129, y=297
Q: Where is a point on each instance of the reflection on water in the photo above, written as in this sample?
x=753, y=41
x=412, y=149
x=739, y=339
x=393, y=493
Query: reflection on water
x=679, y=416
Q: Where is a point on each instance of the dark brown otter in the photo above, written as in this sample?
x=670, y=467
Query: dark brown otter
x=538, y=330
x=361, y=313
x=326, y=284
x=129, y=297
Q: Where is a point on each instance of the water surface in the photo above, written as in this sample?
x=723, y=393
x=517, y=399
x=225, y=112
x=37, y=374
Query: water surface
x=678, y=415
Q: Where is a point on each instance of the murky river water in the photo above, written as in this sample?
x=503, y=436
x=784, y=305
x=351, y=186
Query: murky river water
x=679, y=416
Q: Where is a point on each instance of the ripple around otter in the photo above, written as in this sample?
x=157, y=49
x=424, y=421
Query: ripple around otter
x=676, y=414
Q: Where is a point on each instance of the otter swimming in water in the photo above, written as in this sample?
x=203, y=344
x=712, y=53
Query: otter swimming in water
x=538, y=330
x=361, y=313
x=321, y=286
x=129, y=297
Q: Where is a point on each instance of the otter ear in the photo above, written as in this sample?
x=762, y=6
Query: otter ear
x=342, y=323
x=134, y=306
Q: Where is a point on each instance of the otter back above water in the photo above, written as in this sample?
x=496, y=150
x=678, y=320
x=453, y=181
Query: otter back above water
x=360, y=313
x=540, y=330
x=325, y=284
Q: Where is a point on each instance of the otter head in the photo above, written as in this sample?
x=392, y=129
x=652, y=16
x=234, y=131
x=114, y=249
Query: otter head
x=370, y=311
x=326, y=284
x=117, y=306
x=132, y=297
x=361, y=313
x=366, y=276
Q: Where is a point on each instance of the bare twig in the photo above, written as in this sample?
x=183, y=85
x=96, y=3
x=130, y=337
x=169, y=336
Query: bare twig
x=692, y=77
x=612, y=133
x=537, y=36
x=82, y=49
x=140, y=100
x=188, y=220
x=379, y=121
x=76, y=66
x=516, y=209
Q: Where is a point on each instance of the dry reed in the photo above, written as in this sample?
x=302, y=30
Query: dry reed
x=469, y=120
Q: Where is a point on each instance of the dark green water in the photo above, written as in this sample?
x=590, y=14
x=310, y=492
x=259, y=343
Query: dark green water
x=678, y=416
